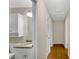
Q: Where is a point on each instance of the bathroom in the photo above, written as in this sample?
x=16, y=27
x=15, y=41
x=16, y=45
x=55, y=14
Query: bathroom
x=20, y=26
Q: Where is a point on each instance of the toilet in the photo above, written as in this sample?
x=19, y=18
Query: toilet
x=11, y=51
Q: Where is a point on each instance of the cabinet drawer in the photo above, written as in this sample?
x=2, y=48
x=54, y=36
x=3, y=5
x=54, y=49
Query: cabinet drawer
x=24, y=50
x=23, y=56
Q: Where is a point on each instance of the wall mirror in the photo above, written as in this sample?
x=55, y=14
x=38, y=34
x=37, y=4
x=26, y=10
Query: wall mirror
x=20, y=20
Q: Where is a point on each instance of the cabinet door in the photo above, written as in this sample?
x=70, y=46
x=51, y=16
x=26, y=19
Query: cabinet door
x=30, y=56
x=27, y=56
x=20, y=24
x=23, y=56
x=13, y=23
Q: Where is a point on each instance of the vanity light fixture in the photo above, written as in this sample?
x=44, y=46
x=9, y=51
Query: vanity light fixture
x=29, y=14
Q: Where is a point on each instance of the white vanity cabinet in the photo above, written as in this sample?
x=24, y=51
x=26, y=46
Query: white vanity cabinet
x=16, y=23
x=23, y=53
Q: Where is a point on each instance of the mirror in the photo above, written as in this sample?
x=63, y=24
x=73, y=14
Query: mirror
x=20, y=21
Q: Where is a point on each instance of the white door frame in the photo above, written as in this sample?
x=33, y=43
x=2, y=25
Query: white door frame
x=34, y=26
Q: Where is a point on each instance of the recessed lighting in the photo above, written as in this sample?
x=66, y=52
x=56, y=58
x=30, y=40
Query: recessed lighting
x=29, y=14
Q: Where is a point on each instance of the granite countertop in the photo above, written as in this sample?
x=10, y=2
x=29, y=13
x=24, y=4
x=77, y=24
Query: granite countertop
x=23, y=45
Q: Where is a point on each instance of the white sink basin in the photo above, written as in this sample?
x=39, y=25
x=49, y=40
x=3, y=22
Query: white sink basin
x=28, y=44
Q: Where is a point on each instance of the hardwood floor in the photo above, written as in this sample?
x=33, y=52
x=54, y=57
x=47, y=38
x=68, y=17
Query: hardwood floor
x=58, y=51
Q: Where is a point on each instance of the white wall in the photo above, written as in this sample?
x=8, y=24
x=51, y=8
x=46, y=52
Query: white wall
x=59, y=32
x=50, y=34
x=42, y=30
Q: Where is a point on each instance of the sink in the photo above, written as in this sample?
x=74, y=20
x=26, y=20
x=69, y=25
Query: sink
x=27, y=44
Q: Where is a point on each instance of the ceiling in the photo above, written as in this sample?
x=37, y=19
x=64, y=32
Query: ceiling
x=58, y=9
x=20, y=3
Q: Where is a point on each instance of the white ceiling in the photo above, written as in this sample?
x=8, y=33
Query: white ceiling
x=57, y=9
x=20, y=3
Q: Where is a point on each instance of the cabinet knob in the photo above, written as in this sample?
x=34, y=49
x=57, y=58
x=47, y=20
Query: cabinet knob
x=24, y=55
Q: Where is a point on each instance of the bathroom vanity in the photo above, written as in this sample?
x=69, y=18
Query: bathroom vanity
x=23, y=51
